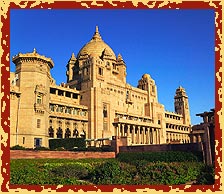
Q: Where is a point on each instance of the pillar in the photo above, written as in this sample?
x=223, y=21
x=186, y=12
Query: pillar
x=150, y=136
x=147, y=135
x=133, y=134
x=122, y=130
x=138, y=135
x=154, y=136
x=128, y=130
x=158, y=135
x=143, y=136
x=118, y=130
x=54, y=125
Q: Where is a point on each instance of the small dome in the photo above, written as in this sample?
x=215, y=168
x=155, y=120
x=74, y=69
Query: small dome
x=96, y=46
x=146, y=76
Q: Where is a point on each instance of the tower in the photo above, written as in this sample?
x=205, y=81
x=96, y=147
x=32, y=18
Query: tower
x=148, y=84
x=33, y=82
x=70, y=66
x=181, y=104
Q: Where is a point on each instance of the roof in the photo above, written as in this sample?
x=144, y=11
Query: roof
x=97, y=47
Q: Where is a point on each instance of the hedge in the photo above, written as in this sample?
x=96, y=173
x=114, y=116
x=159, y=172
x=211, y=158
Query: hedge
x=170, y=156
x=67, y=143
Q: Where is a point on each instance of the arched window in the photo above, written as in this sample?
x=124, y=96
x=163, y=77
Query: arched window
x=75, y=133
x=59, y=133
x=39, y=99
x=51, y=132
x=104, y=110
x=67, y=133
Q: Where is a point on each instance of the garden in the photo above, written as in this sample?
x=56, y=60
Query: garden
x=146, y=168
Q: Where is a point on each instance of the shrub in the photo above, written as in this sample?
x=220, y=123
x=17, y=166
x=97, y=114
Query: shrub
x=170, y=156
x=206, y=176
x=167, y=173
x=17, y=147
x=41, y=148
x=60, y=149
x=107, y=173
x=70, y=171
x=67, y=143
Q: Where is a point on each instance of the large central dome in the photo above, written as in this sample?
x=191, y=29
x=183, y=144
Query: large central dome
x=96, y=47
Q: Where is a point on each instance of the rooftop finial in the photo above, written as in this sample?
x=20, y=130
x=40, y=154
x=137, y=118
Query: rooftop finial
x=73, y=57
x=34, y=50
x=97, y=30
x=96, y=35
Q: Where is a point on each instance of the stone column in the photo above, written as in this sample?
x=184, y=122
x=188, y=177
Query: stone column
x=194, y=139
x=133, y=134
x=118, y=130
x=122, y=130
x=158, y=135
x=143, y=136
x=138, y=135
x=54, y=125
x=147, y=135
x=199, y=138
x=63, y=128
x=115, y=130
x=150, y=136
x=128, y=130
x=154, y=136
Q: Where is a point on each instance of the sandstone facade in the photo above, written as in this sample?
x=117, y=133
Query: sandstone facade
x=96, y=102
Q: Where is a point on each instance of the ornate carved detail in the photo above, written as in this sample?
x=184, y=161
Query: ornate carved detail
x=40, y=89
x=39, y=108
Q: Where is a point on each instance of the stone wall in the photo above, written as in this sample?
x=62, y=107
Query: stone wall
x=27, y=154
x=162, y=147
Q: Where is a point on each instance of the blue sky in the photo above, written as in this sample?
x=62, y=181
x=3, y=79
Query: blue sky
x=176, y=47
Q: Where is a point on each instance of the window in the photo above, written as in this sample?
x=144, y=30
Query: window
x=153, y=89
x=38, y=123
x=52, y=90
x=75, y=133
x=75, y=96
x=59, y=133
x=100, y=71
x=37, y=142
x=114, y=66
x=76, y=112
x=87, y=71
x=23, y=140
x=67, y=133
x=52, y=107
x=39, y=99
x=104, y=110
x=127, y=95
x=59, y=109
x=68, y=110
x=83, y=113
x=68, y=94
x=51, y=132
x=60, y=93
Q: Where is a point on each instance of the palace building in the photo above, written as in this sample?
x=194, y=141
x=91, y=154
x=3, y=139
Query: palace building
x=96, y=102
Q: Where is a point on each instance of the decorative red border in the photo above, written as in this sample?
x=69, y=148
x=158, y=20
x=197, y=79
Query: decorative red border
x=5, y=88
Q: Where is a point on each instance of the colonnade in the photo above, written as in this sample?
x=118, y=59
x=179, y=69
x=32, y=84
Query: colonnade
x=138, y=134
x=177, y=137
x=196, y=138
x=62, y=128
